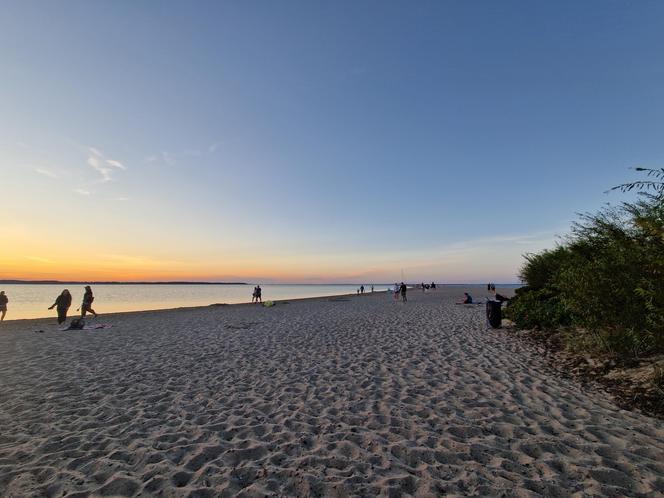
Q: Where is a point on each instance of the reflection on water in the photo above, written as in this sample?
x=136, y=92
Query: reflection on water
x=32, y=301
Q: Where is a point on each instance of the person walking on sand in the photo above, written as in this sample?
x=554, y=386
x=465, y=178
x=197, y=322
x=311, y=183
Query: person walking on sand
x=86, y=305
x=62, y=302
x=3, y=305
x=403, y=290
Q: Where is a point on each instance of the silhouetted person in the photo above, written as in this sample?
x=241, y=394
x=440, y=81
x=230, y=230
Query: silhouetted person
x=62, y=304
x=403, y=290
x=86, y=305
x=372, y=289
x=3, y=305
x=501, y=298
x=433, y=286
x=259, y=294
x=362, y=289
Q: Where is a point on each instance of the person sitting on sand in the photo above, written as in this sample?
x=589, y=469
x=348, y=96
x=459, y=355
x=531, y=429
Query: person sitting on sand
x=63, y=302
x=3, y=305
x=467, y=299
x=86, y=305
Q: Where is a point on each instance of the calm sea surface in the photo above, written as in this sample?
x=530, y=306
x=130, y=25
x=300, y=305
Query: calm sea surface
x=32, y=301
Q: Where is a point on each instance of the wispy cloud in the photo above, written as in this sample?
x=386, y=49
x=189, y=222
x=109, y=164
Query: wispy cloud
x=81, y=191
x=167, y=157
x=213, y=147
x=116, y=164
x=46, y=172
x=103, y=165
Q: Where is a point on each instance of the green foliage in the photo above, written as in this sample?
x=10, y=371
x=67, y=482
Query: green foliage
x=538, y=309
x=541, y=269
x=607, y=279
x=654, y=183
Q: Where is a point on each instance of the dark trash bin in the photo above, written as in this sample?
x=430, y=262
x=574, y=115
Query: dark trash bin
x=494, y=314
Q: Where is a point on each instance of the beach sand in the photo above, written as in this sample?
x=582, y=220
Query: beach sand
x=352, y=396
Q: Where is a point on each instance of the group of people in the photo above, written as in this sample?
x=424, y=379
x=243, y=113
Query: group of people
x=426, y=287
x=62, y=304
x=400, y=290
x=360, y=290
x=257, y=296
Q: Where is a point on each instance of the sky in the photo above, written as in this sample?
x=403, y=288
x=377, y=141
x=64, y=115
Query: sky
x=312, y=141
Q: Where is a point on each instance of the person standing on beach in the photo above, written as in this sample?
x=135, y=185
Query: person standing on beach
x=396, y=291
x=3, y=305
x=403, y=290
x=62, y=302
x=372, y=289
x=362, y=289
x=86, y=305
x=259, y=292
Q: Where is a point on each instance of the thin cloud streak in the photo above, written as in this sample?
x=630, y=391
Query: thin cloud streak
x=103, y=165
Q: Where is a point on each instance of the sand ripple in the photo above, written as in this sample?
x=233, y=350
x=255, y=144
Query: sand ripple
x=365, y=397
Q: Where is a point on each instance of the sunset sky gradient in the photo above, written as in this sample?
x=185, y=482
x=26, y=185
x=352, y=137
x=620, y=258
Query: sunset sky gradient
x=315, y=141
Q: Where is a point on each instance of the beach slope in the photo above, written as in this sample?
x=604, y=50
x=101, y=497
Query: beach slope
x=349, y=396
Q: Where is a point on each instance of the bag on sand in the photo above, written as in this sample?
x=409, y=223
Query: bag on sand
x=76, y=324
x=494, y=313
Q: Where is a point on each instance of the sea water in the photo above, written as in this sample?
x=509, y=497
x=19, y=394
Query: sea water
x=32, y=300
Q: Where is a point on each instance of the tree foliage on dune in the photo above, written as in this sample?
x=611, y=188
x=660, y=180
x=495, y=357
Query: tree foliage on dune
x=605, y=281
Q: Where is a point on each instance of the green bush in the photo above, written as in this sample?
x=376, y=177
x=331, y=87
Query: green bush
x=607, y=279
x=538, y=309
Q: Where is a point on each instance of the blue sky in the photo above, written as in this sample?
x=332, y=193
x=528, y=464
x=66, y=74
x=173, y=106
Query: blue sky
x=317, y=141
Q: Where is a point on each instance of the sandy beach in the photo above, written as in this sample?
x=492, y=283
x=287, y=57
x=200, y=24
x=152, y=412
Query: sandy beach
x=347, y=396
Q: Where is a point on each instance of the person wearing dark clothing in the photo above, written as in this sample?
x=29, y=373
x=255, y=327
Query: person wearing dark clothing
x=3, y=305
x=62, y=304
x=433, y=285
x=362, y=289
x=259, y=294
x=403, y=290
x=467, y=299
x=501, y=298
x=86, y=305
